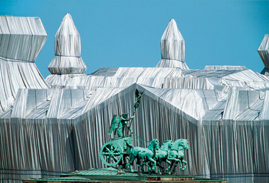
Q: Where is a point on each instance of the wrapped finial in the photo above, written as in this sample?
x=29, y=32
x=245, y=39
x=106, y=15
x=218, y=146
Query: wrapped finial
x=67, y=48
x=172, y=47
x=264, y=54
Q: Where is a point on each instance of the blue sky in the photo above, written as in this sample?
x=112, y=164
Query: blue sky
x=127, y=33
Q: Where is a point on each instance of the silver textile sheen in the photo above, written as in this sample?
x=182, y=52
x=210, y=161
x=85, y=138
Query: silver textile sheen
x=51, y=126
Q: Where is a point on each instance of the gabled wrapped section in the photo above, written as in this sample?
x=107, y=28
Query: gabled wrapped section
x=67, y=49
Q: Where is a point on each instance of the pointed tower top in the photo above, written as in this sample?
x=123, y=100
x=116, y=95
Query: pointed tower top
x=172, y=43
x=67, y=38
x=265, y=43
x=263, y=51
x=171, y=32
x=67, y=48
x=67, y=26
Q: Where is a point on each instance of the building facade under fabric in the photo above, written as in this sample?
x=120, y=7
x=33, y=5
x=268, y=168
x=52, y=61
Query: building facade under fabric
x=59, y=124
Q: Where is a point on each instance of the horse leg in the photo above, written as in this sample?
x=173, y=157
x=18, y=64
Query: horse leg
x=154, y=163
x=174, y=161
x=131, y=162
x=124, y=161
x=142, y=166
x=175, y=166
x=149, y=167
x=169, y=165
x=138, y=165
x=185, y=166
x=161, y=168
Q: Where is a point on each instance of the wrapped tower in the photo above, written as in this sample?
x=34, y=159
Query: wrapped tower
x=172, y=47
x=67, y=49
x=264, y=54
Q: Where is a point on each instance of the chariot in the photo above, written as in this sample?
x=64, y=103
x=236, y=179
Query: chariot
x=116, y=151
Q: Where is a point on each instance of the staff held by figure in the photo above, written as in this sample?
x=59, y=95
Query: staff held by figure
x=119, y=123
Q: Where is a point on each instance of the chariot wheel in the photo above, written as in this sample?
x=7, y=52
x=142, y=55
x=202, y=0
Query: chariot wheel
x=111, y=154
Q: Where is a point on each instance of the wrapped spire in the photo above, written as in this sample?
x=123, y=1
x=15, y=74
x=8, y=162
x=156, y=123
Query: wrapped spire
x=264, y=54
x=67, y=49
x=172, y=47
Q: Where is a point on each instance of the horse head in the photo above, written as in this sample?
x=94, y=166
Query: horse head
x=181, y=142
x=184, y=143
x=154, y=144
x=166, y=145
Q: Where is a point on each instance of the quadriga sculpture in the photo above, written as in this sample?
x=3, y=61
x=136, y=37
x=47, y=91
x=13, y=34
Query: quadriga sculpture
x=162, y=155
x=176, y=154
x=170, y=152
x=144, y=154
x=119, y=149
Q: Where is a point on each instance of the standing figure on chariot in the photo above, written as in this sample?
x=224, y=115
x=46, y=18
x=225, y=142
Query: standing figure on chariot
x=119, y=123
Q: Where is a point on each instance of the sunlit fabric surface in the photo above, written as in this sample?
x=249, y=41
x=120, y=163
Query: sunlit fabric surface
x=224, y=67
x=223, y=111
x=21, y=39
x=163, y=78
x=63, y=129
x=264, y=54
x=67, y=49
x=172, y=63
x=172, y=47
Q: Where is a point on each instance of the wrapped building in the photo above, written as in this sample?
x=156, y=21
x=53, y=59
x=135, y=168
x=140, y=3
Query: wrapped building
x=52, y=126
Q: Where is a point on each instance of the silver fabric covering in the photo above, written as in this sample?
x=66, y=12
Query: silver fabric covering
x=67, y=58
x=172, y=63
x=172, y=47
x=224, y=67
x=222, y=110
x=264, y=54
x=21, y=39
x=165, y=78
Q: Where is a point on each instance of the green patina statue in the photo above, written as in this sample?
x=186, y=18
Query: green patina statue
x=144, y=154
x=118, y=150
x=170, y=152
x=119, y=123
x=138, y=96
